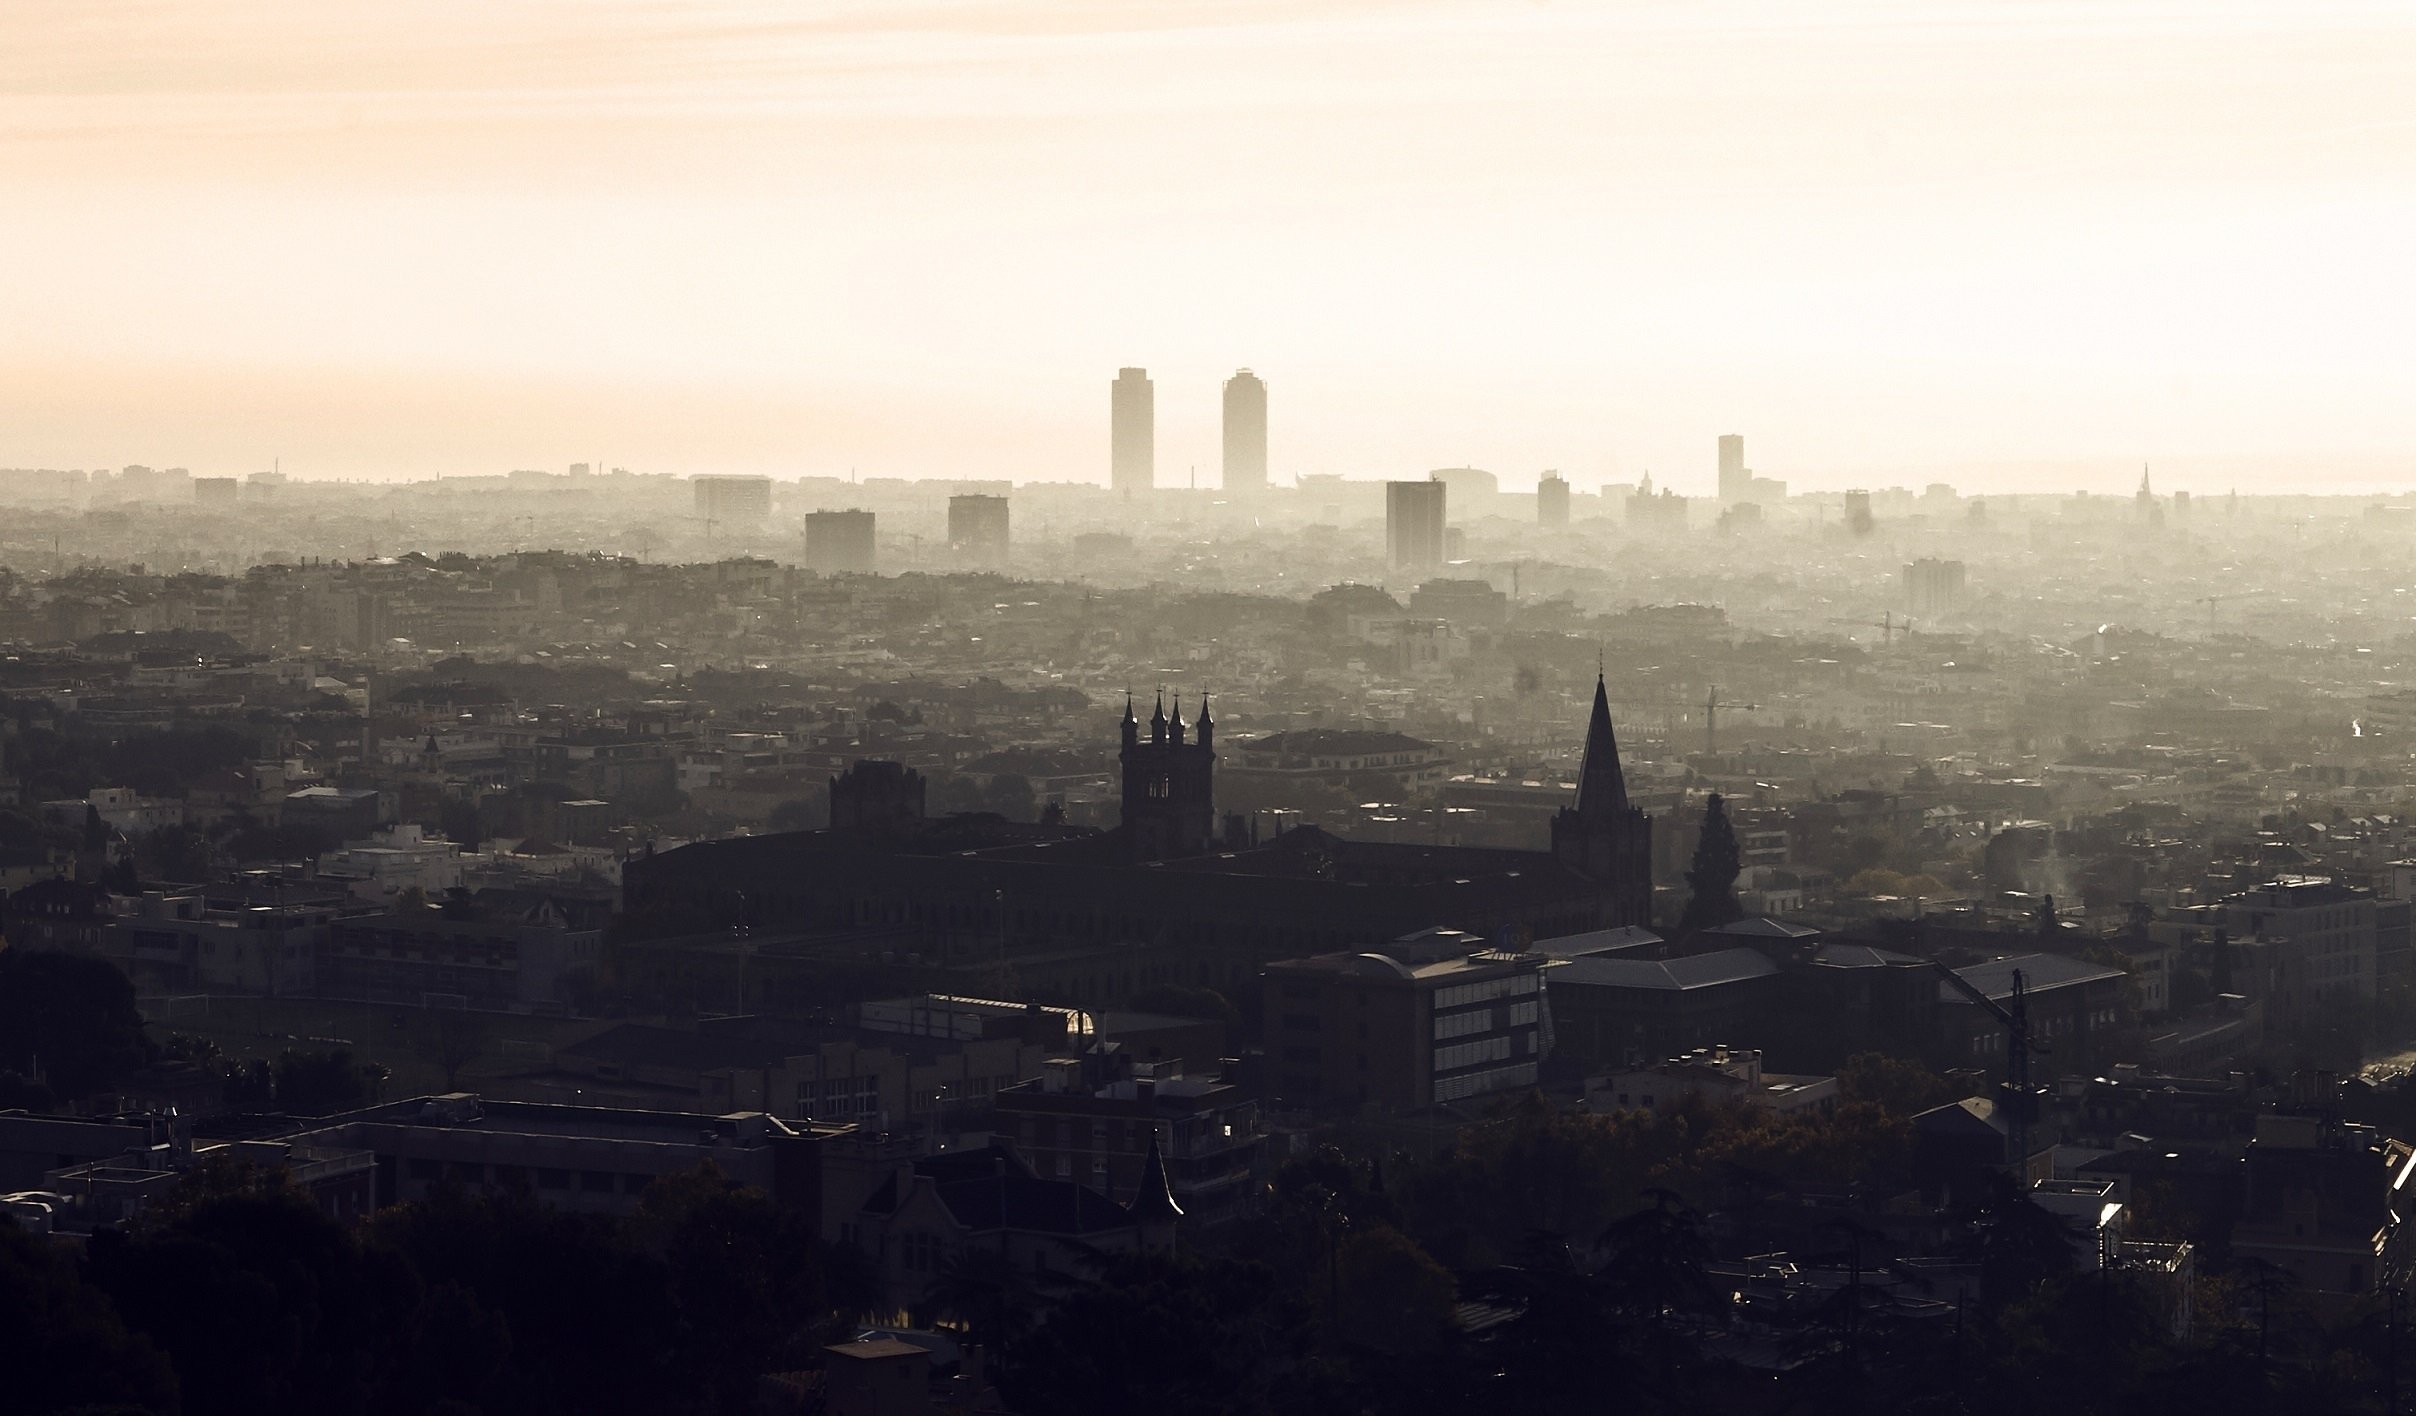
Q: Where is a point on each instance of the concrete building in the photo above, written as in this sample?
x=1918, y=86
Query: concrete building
x=1245, y=433
x=1094, y=1118
x=732, y=503
x=1552, y=501
x=977, y=528
x=839, y=542
x=1132, y=433
x=1413, y=524
x=1430, y=1018
x=2322, y=955
x=1932, y=587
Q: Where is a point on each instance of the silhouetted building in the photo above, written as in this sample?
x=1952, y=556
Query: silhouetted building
x=1733, y=475
x=724, y=503
x=1552, y=501
x=977, y=528
x=1169, y=784
x=216, y=492
x=1089, y=917
x=1413, y=524
x=1605, y=837
x=1133, y=432
x=1245, y=433
x=839, y=542
x=877, y=797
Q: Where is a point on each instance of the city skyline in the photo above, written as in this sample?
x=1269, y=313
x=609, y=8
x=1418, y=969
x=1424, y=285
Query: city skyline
x=1561, y=236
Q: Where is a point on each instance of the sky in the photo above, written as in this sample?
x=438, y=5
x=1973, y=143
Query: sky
x=2016, y=244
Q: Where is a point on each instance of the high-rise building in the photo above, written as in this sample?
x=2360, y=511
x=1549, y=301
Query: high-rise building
x=1245, y=433
x=215, y=491
x=1552, y=501
x=732, y=503
x=1413, y=524
x=1933, y=587
x=977, y=528
x=1858, y=512
x=1734, y=479
x=1133, y=432
x=839, y=542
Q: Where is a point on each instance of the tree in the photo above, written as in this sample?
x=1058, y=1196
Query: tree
x=319, y=1083
x=68, y=1351
x=461, y=822
x=69, y=1020
x=1393, y=1298
x=455, y=1040
x=1896, y=1086
x=1711, y=881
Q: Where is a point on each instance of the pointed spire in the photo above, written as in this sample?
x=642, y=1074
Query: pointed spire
x=1601, y=786
x=1174, y=725
x=1128, y=707
x=1153, y=1202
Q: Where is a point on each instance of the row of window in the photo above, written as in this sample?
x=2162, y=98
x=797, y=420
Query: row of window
x=1492, y=1079
x=1460, y=995
x=1469, y=1054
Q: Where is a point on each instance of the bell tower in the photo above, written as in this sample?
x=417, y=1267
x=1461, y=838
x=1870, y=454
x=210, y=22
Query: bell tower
x=1169, y=783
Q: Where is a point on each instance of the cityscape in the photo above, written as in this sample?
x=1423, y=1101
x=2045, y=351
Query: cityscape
x=1197, y=908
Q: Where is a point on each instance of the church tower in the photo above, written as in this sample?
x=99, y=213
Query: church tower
x=1169, y=784
x=1603, y=837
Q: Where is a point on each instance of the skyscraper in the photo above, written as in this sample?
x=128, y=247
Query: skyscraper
x=1245, y=433
x=1413, y=524
x=1552, y=501
x=1133, y=432
x=1733, y=476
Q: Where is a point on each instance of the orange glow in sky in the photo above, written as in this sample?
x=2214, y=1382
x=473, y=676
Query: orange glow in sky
x=2013, y=242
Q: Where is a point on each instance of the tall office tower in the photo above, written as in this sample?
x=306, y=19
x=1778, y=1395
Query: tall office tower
x=977, y=528
x=1858, y=512
x=839, y=542
x=733, y=503
x=1735, y=481
x=1245, y=433
x=1133, y=432
x=1933, y=587
x=1552, y=501
x=1413, y=524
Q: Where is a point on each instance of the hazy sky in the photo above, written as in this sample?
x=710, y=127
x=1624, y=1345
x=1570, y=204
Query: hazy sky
x=917, y=237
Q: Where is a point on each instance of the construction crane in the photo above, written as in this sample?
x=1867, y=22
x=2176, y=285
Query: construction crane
x=1711, y=719
x=1887, y=625
x=2021, y=1100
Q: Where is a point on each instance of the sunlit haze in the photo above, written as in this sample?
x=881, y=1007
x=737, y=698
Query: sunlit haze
x=2011, y=244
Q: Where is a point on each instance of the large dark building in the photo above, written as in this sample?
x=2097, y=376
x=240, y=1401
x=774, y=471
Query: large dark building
x=1090, y=917
x=1169, y=784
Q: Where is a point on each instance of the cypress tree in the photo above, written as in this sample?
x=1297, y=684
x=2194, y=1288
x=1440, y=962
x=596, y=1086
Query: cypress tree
x=1711, y=880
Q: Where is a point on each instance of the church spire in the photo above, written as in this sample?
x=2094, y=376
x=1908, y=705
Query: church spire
x=1601, y=786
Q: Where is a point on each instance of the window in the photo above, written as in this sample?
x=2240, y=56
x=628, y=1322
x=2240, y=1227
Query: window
x=596, y=1182
x=550, y=1179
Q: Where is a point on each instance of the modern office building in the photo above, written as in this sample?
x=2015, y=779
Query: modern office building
x=1733, y=476
x=839, y=542
x=1552, y=500
x=977, y=528
x=1245, y=433
x=1933, y=587
x=1133, y=432
x=1413, y=524
x=731, y=503
x=1431, y=1017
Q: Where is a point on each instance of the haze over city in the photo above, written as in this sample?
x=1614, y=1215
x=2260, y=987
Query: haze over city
x=956, y=708
x=2017, y=246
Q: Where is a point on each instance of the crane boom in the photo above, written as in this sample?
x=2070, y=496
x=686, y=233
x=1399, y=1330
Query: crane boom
x=2020, y=1099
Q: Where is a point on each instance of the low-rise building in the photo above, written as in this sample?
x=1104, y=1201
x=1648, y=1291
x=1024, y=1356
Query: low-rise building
x=1096, y=1117
x=1721, y=1075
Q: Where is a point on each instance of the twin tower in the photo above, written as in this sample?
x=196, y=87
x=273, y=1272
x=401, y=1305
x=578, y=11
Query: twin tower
x=1133, y=432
